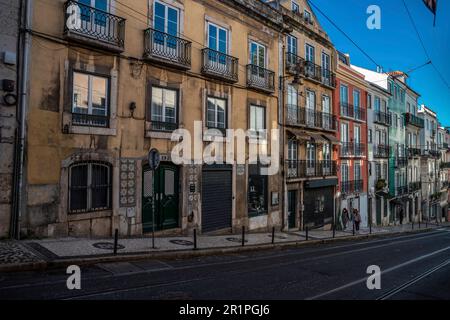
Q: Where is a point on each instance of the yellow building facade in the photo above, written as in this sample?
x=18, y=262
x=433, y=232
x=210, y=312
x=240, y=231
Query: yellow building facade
x=113, y=79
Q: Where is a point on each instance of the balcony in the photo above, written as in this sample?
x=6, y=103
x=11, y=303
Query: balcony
x=415, y=186
x=96, y=27
x=293, y=63
x=414, y=152
x=349, y=187
x=298, y=116
x=434, y=153
x=414, y=120
x=381, y=151
x=298, y=65
x=349, y=111
x=401, y=162
x=351, y=149
x=401, y=191
x=304, y=169
x=260, y=79
x=167, y=49
x=220, y=66
x=382, y=118
x=445, y=185
x=445, y=165
x=89, y=120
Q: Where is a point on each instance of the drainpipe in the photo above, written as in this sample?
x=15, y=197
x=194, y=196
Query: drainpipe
x=21, y=114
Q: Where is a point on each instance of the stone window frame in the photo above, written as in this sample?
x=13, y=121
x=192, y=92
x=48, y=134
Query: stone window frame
x=253, y=138
x=171, y=3
x=206, y=92
x=66, y=164
x=112, y=74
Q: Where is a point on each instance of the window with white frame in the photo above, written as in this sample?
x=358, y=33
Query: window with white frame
x=216, y=113
x=257, y=118
x=164, y=105
x=295, y=7
x=90, y=104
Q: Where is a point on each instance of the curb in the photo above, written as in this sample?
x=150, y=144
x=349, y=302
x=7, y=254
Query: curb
x=43, y=265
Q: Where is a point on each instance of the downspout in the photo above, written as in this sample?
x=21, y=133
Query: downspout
x=19, y=157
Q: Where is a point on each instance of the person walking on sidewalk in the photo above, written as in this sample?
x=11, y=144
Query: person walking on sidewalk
x=345, y=219
x=401, y=216
x=357, y=219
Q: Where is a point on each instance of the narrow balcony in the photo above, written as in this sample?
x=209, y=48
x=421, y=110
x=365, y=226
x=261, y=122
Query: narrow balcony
x=382, y=118
x=298, y=116
x=445, y=165
x=414, y=152
x=415, y=186
x=260, y=79
x=434, y=153
x=95, y=27
x=304, y=169
x=167, y=49
x=350, y=111
x=294, y=63
x=381, y=151
x=220, y=66
x=352, y=149
x=414, y=120
x=401, y=191
x=401, y=162
x=349, y=187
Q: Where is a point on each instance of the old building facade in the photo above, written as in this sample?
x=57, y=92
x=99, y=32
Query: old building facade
x=114, y=79
x=310, y=124
x=350, y=103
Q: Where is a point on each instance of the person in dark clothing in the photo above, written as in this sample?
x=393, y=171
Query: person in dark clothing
x=401, y=216
x=357, y=219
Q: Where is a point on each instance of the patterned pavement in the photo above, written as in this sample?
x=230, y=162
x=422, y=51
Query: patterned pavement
x=15, y=253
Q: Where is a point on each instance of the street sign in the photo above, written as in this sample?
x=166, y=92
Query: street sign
x=154, y=159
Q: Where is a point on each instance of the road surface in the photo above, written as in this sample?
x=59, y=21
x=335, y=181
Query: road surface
x=413, y=266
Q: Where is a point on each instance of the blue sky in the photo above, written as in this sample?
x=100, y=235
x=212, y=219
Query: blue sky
x=396, y=46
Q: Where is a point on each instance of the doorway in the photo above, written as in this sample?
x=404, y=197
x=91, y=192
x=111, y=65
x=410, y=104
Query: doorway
x=292, y=208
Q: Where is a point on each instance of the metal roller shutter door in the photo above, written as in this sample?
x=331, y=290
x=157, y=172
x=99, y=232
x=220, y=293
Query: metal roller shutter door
x=216, y=198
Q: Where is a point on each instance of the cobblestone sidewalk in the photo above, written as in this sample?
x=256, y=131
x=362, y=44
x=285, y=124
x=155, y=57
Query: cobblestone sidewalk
x=15, y=253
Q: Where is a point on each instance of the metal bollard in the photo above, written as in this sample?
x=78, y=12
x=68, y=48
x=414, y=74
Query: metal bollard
x=243, y=236
x=273, y=235
x=195, y=239
x=116, y=239
x=334, y=230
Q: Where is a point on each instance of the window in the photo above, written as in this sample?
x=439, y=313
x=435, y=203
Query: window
x=216, y=113
x=257, y=118
x=89, y=187
x=258, y=54
x=326, y=73
x=292, y=150
x=344, y=172
x=369, y=101
x=310, y=53
x=90, y=104
x=377, y=104
x=308, y=17
x=295, y=7
x=257, y=191
x=356, y=103
x=217, y=38
x=167, y=21
x=344, y=95
x=357, y=172
x=292, y=44
x=370, y=136
x=86, y=15
x=310, y=108
x=164, y=109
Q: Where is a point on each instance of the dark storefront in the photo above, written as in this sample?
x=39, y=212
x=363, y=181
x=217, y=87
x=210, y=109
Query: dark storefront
x=319, y=202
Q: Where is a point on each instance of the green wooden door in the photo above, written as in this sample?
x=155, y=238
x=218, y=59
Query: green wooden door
x=166, y=198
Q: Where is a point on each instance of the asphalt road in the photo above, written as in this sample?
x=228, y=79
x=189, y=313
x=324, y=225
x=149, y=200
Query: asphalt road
x=412, y=267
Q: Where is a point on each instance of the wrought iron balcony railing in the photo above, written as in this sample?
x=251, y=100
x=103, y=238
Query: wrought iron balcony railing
x=402, y=190
x=348, y=187
x=445, y=165
x=260, y=78
x=414, y=120
x=89, y=120
x=220, y=65
x=166, y=48
x=293, y=63
x=298, y=116
x=415, y=186
x=350, y=111
x=301, y=169
x=401, y=162
x=381, y=151
x=98, y=27
x=382, y=118
x=352, y=149
x=414, y=152
x=298, y=65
